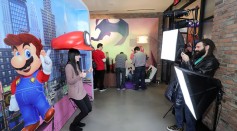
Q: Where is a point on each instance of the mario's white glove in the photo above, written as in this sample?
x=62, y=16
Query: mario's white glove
x=46, y=63
x=13, y=104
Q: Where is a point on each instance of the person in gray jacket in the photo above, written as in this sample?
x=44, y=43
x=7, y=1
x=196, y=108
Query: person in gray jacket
x=139, y=62
x=120, y=62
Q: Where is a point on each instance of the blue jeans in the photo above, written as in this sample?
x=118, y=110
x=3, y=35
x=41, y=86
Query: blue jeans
x=130, y=77
x=182, y=111
x=139, y=74
x=120, y=84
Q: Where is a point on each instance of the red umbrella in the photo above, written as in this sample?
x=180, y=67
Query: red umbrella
x=76, y=39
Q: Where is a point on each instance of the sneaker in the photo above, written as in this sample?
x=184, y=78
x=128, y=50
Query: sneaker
x=78, y=129
x=174, y=128
x=102, y=90
x=95, y=89
x=81, y=124
x=118, y=89
x=74, y=128
x=123, y=89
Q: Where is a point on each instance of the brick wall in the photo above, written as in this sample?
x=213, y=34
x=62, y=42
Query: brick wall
x=224, y=34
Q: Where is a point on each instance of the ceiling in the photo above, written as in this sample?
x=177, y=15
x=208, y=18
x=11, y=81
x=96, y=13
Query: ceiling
x=126, y=6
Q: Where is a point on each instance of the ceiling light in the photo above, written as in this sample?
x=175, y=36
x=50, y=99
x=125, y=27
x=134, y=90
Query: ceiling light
x=142, y=39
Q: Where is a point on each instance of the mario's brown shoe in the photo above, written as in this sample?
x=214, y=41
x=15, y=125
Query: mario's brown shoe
x=32, y=127
x=49, y=115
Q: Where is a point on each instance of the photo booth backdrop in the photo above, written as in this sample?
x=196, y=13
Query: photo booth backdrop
x=45, y=19
x=121, y=35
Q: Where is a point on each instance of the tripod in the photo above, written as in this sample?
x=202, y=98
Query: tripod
x=217, y=103
x=168, y=111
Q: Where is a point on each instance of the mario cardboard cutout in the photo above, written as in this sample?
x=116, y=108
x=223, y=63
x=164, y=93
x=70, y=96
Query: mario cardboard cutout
x=34, y=67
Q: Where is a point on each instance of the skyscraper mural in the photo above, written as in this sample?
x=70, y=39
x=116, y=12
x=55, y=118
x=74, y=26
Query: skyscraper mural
x=49, y=32
x=34, y=26
x=6, y=18
x=48, y=20
x=19, y=16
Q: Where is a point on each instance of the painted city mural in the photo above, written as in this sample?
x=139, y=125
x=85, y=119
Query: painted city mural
x=122, y=35
x=45, y=19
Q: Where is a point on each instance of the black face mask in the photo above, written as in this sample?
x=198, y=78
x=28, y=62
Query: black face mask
x=199, y=54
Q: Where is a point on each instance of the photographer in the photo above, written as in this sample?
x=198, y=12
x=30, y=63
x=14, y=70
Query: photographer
x=203, y=62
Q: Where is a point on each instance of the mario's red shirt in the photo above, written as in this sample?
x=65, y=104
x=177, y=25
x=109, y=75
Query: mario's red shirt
x=97, y=56
x=41, y=77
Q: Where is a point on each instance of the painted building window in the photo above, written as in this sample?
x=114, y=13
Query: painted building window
x=4, y=80
x=3, y=73
x=2, y=67
x=10, y=78
x=7, y=59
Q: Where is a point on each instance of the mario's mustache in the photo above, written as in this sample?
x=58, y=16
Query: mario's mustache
x=28, y=62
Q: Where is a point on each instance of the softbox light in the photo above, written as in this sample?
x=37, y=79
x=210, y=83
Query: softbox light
x=172, y=45
x=199, y=91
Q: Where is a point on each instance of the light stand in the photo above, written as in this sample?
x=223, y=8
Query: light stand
x=217, y=103
x=169, y=110
x=166, y=64
x=172, y=15
x=171, y=50
x=199, y=92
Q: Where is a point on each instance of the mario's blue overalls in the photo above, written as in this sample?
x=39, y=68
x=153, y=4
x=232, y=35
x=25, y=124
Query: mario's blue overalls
x=31, y=99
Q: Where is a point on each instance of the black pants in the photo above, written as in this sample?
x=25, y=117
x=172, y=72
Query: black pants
x=99, y=79
x=140, y=75
x=85, y=106
x=94, y=79
x=120, y=83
